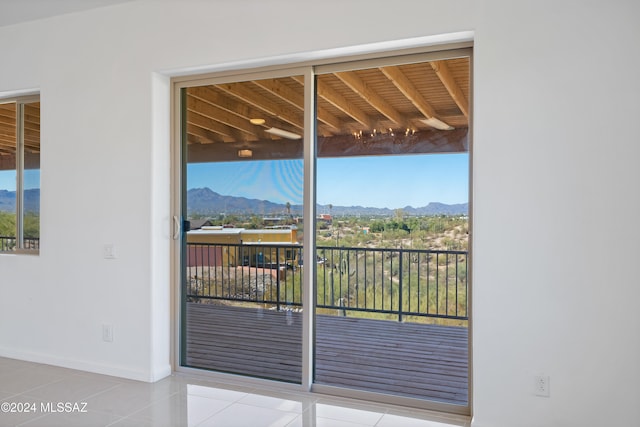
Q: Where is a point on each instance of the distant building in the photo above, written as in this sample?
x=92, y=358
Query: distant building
x=325, y=217
x=197, y=224
x=218, y=246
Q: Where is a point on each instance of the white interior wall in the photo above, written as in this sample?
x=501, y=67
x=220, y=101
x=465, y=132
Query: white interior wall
x=555, y=179
x=555, y=184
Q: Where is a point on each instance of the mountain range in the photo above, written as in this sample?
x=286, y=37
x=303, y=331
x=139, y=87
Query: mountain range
x=205, y=201
x=31, y=200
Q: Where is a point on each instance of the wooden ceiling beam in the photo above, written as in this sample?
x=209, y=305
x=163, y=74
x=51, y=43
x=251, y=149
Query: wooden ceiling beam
x=408, y=89
x=213, y=97
x=220, y=115
x=8, y=110
x=196, y=139
x=358, y=85
x=323, y=115
x=289, y=95
x=32, y=112
x=334, y=98
x=32, y=133
x=11, y=145
x=7, y=145
x=242, y=92
x=233, y=107
x=444, y=74
x=196, y=119
x=282, y=91
x=8, y=121
x=29, y=141
x=33, y=109
x=209, y=136
x=8, y=132
x=32, y=127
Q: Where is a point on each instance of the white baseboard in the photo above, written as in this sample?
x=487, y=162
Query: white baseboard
x=88, y=366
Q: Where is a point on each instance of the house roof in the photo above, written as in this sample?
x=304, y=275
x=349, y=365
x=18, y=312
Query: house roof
x=196, y=224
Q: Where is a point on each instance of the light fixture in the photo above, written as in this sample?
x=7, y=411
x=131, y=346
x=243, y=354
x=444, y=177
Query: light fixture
x=257, y=121
x=283, y=133
x=437, y=123
x=245, y=153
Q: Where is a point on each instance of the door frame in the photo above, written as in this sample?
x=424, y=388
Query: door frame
x=309, y=68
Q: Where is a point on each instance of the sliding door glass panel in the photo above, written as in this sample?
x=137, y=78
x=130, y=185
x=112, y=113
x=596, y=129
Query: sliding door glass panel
x=31, y=176
x=243, y=192
x=8, y=158
x=19, y=176
x=392, y=230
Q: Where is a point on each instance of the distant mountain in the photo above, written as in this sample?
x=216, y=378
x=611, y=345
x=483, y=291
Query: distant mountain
x=31, y=200
x=205, y=201
x=435, y=208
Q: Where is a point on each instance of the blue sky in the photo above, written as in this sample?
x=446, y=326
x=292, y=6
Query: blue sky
x=377, y=181
x=31, y=179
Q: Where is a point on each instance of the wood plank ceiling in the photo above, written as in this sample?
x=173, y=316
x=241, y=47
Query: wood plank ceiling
x=8, y=137
x=364, y=112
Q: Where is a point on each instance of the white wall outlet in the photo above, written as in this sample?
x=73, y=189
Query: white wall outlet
x=109, y=251
x=541, y=385
x=107, y=333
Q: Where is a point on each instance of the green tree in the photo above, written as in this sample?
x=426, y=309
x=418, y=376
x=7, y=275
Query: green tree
x=31, y=225
x=7, y=224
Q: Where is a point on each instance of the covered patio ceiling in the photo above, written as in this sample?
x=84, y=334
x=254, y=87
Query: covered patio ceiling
x=413, y=108
x=8, y=136
x=385, y=110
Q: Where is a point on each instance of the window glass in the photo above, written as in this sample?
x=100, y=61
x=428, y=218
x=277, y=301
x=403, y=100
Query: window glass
x=243, y=270
x=8, y=146
x=392, y=191
x=19, y=176
x=31, y=175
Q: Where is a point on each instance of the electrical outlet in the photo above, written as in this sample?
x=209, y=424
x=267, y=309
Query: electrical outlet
x=107, y=333
x=541, y=385
x=109, y=251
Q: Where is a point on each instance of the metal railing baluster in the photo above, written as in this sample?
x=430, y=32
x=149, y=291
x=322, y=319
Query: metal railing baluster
x=224, y=272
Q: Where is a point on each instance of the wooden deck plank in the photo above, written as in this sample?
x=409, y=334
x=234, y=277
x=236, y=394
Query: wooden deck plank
x=406, y=359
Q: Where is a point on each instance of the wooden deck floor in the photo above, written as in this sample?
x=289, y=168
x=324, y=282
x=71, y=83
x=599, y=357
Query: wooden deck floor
x=405, y=359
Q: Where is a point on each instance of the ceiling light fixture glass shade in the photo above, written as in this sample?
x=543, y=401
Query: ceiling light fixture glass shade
x=257, y=121
x=283, y=133
x=245, y=153
x=437, y=123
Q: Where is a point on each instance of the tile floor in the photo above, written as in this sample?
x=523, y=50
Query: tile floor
x=40, y=395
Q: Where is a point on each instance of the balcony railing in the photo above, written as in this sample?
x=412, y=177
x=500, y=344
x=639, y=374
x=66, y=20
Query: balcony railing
x=8, y=243
x=400, y=283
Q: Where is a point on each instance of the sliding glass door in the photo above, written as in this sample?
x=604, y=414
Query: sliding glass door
x=392, y=236
x=326, y=227
x=242, y=199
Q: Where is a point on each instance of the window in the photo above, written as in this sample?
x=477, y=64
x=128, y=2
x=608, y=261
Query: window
x=20, y=175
